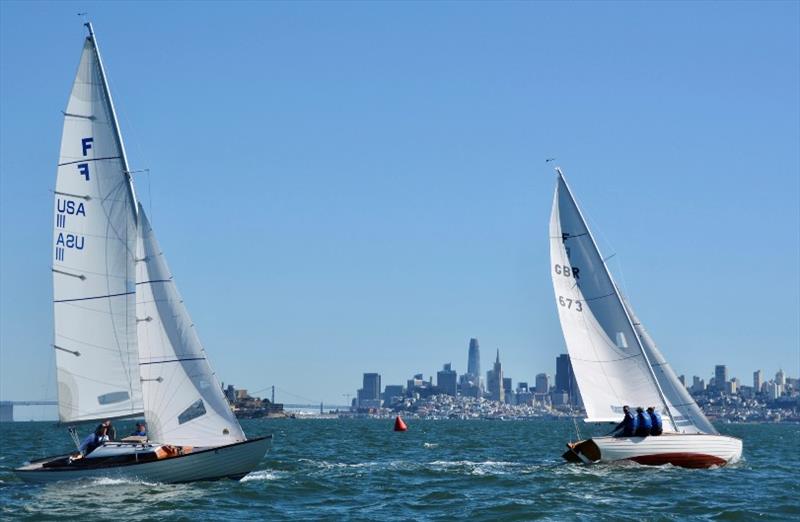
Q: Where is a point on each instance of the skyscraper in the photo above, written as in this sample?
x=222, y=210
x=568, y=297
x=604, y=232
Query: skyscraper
x=542, y=383
x=720, y=376
x=494, y=381
x=563, y=373
x=758, y=381
x=474, y=361
x=780, y=378
x=446, y=380
x=369, y=396
x=508, y=392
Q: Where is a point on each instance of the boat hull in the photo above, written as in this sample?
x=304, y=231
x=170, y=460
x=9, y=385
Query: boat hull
x=233, y=461
x=678, y=449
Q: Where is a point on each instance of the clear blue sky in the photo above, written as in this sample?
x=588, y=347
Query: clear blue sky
x=352, y=187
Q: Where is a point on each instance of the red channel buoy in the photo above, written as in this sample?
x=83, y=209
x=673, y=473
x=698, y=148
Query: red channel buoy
x=399, y=425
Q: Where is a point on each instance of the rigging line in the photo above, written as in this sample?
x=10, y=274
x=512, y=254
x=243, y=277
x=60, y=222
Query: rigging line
x=85, y=160
x=154, y=281
x=94, y=297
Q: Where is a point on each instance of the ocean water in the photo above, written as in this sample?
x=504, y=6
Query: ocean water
x=359, y=469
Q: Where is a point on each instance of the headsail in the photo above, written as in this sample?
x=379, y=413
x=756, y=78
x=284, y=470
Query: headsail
x=688, y=416
x=183, y=399
x=93, y=257
x=610, y=365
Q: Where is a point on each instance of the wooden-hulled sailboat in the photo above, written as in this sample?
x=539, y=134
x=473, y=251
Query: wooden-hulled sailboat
x=616, y=362
x=124, y=343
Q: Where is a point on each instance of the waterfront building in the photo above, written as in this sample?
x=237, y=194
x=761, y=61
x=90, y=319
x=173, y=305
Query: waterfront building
x=720, y=376
x=418, y=387
x=494, y=381
x=468, y=387
x=393, y=393
x=542, y=383
x=447, y=380
x=523, y=395
x=758, y=381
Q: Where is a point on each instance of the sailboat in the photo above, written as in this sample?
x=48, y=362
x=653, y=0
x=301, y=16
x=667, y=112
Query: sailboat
x=616, y=362
x=124, y=343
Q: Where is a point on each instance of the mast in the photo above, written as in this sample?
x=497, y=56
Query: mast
x=114, y=121
x=624, y=308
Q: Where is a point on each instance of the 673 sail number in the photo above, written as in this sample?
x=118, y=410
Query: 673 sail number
x=572, y=304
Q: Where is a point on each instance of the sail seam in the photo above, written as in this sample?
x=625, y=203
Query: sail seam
x=94, y=297
x=85, y=160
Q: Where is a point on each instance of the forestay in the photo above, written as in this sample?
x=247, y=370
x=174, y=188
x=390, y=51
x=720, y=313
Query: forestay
x=93, y=264
x=183, y=399
x=609, y=364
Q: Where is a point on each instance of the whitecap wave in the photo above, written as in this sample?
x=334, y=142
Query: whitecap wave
x=263, y=475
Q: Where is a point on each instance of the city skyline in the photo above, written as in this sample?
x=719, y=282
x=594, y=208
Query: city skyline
x=373, y=188
x=499, y=386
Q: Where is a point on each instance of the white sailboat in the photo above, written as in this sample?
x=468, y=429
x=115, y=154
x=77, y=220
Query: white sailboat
x=123, y=340
x=616, y=362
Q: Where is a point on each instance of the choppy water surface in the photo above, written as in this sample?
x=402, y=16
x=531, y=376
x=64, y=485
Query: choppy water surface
x=438, y=470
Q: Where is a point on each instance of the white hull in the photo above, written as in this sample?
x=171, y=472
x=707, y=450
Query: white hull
x=686, y=450
x=233, y=461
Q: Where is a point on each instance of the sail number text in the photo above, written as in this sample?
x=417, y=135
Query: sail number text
x=68, y=207
x=568, y=271
x=572, y=304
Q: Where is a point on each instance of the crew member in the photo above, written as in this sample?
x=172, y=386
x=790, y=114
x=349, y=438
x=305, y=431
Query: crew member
x=655, y=419
x=626, y=428
x=643, y=423
x=140, y=431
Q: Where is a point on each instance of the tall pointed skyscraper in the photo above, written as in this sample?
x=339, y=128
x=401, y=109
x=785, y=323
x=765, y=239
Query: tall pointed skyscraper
x=494, y=381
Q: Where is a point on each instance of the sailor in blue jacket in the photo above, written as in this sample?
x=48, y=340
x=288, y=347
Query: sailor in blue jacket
x=643, y=423
x=655, y=419
x=626, y=428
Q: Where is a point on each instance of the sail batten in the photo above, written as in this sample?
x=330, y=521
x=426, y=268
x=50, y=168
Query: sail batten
x=94, y=238
x=614, y=359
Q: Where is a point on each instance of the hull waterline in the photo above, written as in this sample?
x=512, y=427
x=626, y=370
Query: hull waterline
x=233, y=461
x=684, y=450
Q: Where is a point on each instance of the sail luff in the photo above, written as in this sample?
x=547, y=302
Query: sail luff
x=113, y=112
x=617, y=295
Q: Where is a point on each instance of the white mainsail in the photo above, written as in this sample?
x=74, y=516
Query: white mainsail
x=183, y=399
x=93, y=257
x=610, y=366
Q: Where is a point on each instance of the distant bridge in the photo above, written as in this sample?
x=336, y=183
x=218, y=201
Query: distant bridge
x=317, y=406
x=7, y=408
